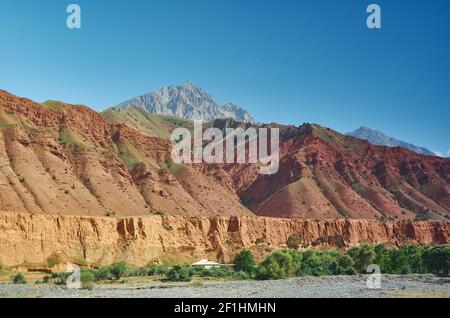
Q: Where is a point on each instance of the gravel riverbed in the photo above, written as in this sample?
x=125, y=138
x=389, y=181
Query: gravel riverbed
x=301, y=287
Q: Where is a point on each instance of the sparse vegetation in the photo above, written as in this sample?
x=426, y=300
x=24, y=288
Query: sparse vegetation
x=159, y=212
x=53, y=260
x=166, y=226
x=421, y=217
x=18, y=279
x=259, y=241
x=293, y=242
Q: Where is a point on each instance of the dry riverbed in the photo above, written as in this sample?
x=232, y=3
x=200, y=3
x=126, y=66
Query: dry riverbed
x=332, y=286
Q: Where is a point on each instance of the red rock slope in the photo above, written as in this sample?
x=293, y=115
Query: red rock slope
x=68, y=159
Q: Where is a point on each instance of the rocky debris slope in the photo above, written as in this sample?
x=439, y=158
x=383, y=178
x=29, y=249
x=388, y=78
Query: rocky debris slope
x=31, y=240
x=187, y=101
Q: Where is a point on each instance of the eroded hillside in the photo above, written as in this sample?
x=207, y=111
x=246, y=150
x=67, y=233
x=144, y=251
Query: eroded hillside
x=68, y=159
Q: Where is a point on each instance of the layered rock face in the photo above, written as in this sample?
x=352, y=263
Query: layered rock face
x=30, y=240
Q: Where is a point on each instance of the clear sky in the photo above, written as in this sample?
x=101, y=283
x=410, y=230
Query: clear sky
x=284, y=61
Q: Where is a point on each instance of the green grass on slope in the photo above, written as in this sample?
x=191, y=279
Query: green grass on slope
x=130, y=155
x=68, y=137
x=154, y=124
x=53, y=105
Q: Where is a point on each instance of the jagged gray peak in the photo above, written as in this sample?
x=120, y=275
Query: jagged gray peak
x=187, y=101
x=378, y=138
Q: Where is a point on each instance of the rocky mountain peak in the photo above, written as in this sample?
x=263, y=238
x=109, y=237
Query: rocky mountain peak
x=187, y=101
x=378, y=138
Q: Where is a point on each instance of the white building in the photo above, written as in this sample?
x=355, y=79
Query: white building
x=207, y=264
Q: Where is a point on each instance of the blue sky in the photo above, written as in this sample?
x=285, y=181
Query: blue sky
x=285, y=61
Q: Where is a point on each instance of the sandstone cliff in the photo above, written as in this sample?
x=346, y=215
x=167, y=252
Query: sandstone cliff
x=31, y=240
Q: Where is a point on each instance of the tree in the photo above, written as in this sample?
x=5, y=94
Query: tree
x=363, y=256
x=328, y=262
x=244, y=262
x=280, y=264
x=437, y=259
x=179, y=273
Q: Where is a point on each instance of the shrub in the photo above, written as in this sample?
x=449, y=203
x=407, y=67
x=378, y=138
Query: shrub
x=293, y=242
x=57, y=278
x=437, y=259
x=244, y=262
x=104, y=273
x=118, y=270
x=18, y=279
x=363, y=256
x=87, y=280
x=259, y=241
x=220, y=271
x=135, y=272
x=161, y=213
x=241, y=276
x=404, y=260
x=329, y=262
x=53, y=260
x=156, y=270
x=179, y=273
x=407, y=259
x=383, y=258
x=166, y=226
x=280, y=264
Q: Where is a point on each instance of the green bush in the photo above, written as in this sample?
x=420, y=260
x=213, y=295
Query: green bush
x=179, y=273
x=136, y=272
x=87, y=280
x=328, y=262
x=221, y=271
x=18, y=279
x=280, y=264
x=405, y=260
x=57, y=278
x=241, y=276
x=244, y=262
x=363, y=256
x=118, y=270
x=104, y=273
x=157, y=270
x=436, y=259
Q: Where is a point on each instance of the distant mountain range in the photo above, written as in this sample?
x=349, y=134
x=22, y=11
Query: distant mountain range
x=187, y=101
x=378, y=138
